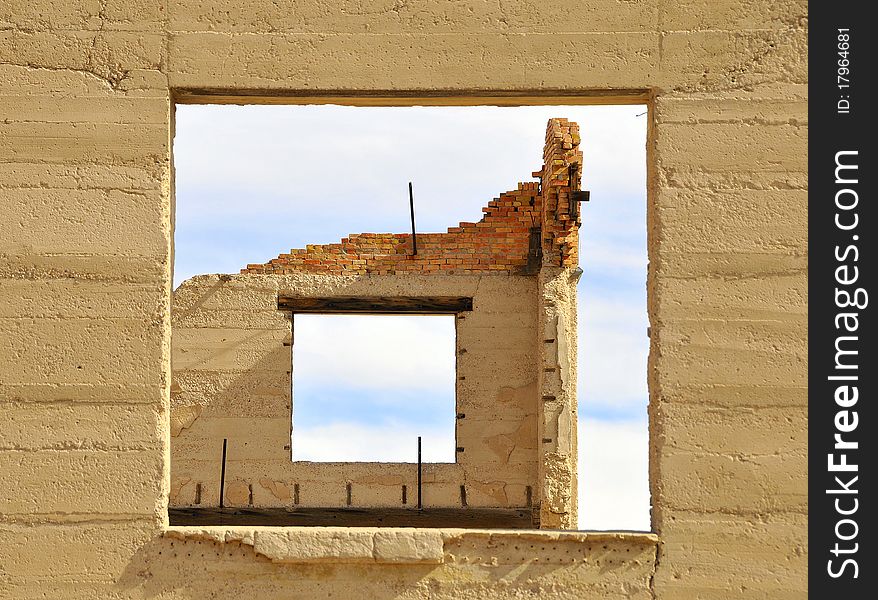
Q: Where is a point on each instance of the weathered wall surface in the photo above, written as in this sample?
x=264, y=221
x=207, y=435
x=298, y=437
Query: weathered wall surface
x=85, y=272
x=230, y=356
x=231, y=379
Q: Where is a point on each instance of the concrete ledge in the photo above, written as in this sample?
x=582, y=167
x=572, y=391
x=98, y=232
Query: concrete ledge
x=389, y=545
x=326, y=544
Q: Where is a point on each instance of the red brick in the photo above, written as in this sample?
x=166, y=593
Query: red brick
x=497, y=245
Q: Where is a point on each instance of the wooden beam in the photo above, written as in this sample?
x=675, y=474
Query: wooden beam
x=424, y=305
x=533, y=97
x=474, y=518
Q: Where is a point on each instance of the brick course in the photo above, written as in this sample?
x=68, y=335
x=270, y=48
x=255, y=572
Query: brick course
x=498, y=244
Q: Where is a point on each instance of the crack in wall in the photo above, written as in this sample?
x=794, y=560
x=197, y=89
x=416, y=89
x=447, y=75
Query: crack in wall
x=655, y=567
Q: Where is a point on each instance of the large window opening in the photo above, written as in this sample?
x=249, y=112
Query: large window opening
x=253, y=181
x=365, y=387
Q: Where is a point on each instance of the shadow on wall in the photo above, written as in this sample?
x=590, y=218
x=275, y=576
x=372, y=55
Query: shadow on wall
x=450, y=565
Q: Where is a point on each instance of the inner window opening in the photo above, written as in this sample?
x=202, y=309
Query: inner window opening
x=365, y=387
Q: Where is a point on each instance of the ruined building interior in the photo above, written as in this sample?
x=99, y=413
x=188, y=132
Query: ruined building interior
x=510, y=281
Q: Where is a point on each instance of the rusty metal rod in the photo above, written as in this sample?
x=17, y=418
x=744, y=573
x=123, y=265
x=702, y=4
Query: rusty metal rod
x=419, y=474
x=412, y=210
x=223, y=473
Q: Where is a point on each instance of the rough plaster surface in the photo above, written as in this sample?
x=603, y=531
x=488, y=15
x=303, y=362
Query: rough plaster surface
x=231, y=379
x=85, y=274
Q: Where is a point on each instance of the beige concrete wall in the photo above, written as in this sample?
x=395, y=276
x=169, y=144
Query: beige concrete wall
x=231, y=358
x=85, y=272
x=556, y=342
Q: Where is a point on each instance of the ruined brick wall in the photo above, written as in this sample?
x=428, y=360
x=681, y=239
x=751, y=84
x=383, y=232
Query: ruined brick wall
x=560, y=177
x=498, y=244
x=232, y=352
x=87, y=91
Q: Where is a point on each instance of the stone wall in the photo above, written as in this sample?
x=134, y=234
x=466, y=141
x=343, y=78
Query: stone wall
x=87, y=89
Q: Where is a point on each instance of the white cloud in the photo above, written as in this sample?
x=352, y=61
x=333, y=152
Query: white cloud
x=613, y=352
x=598, y=256
x=613, y=475
x=382, y=352
x=594, y=311
x=389, y=442
x=287, y=175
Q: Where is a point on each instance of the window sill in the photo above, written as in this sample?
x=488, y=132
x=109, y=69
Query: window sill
x=389, y=545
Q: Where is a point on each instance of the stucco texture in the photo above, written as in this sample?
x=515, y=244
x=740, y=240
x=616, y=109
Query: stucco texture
x=232, y=359
x=87, y=89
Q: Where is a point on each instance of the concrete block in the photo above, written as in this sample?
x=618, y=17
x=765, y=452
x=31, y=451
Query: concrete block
x=47, y=482
x=36, y=426
x=110, y=222
x=82, y=351
x=747, y=485
x=704, y=555
x=81, y=554
x=402, y=546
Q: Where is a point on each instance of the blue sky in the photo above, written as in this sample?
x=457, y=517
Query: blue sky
x=255, y=181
